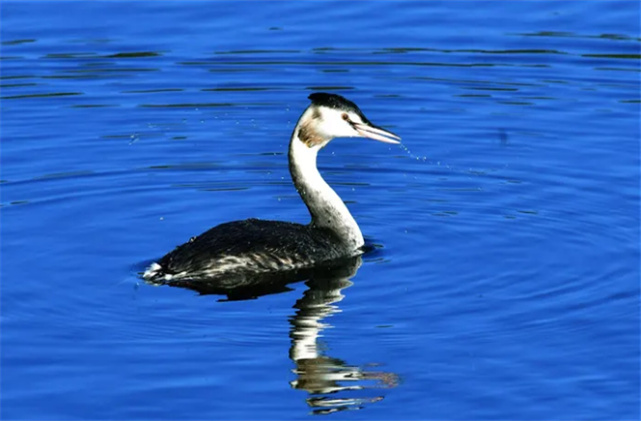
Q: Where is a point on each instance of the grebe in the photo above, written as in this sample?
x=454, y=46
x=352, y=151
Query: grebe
x=254, y=246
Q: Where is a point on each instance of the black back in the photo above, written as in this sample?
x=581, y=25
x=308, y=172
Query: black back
x=258, y=241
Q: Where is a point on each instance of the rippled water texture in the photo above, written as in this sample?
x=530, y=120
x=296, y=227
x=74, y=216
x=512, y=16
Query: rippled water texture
x=504, y=281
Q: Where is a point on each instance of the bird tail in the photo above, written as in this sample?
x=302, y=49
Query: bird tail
x=153, y=272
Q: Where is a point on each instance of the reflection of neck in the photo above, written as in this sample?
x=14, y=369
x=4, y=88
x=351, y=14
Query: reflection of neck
x=325, y=206
x=317, y=373
x=321, y=375
x=314, y=306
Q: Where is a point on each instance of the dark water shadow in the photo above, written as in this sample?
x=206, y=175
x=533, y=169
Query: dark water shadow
x=331, y=383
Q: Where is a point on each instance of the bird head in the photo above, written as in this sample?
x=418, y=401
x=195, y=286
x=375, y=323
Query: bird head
x=330, y=116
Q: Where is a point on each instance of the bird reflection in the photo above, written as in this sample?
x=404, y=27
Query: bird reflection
x=331, y=383
x=328, y=380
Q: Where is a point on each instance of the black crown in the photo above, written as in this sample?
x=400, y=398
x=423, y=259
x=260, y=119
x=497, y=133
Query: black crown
x=337, y=102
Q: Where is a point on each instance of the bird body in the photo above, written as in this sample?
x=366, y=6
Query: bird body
x=255, y=246
x=251, y=245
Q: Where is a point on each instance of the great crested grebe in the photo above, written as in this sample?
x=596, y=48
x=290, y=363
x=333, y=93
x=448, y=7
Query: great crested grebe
x=255, y=246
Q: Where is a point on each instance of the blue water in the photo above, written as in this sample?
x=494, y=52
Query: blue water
x=505, y=278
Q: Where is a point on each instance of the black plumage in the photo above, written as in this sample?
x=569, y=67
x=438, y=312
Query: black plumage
x=250, y=246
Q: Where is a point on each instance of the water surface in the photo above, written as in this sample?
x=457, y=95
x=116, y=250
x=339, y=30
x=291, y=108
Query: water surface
x=505, y=279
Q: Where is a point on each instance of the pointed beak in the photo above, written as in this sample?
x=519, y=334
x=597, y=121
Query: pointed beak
x=372, y=132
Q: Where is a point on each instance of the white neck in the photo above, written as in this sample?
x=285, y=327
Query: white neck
x=325, y=206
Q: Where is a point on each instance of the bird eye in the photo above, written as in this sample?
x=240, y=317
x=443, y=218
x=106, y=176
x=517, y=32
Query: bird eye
x=345, y=116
